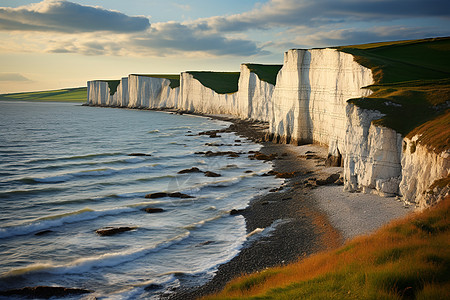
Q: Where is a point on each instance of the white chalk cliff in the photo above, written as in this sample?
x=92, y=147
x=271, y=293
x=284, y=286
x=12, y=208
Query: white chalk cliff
x=309, y=99
x=197, y=98
x=308, y=104
x=99, y=93
x=151, y=92
x=421, y=167
x=254, y=96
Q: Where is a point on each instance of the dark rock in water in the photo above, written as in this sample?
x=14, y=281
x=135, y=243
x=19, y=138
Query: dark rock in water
x=219, y=153
x=211, y=174
x=153, y=210
x=248, y=171
x=172, y=195
x=238, y=141
x=43, y=232
x=191, y=170
x=139, y=154
x=270, y=173
x=234, y=212
x=107, y=231
x=179, y=195
x=156, y=195
x=44, y=292
x=206, y=243
x=153, y=286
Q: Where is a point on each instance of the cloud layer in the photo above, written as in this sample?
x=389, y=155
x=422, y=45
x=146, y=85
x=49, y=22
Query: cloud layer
x=68, y=17
x=275, y=25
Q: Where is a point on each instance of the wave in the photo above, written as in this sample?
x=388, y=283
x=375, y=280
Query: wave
x=88, y=173
x=7, y=194
x=154, y=131
x=75, y=157
x=83, y=265
x=48, y=222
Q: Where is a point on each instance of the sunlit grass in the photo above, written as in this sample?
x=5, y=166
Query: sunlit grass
x=267, y=73
x=407, y=259
x=220, y=82
x=63, y=95
x=174, y=78
x=412, y=86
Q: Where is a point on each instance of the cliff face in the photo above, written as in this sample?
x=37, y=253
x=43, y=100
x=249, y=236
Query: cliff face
x=372, y=154
x=309, y=100
x=195, y=97
x=254, y=96
x=308, y=104
x=151, y=92
x=420, y=169
x=99, y=93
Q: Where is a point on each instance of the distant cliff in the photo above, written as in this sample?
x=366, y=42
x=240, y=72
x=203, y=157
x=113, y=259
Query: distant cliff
x=306, y=100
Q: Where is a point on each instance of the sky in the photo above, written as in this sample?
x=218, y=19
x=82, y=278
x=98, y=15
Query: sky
x=52, y=44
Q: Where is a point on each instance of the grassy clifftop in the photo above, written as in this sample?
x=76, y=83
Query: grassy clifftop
x=408, y=259
x=412, y=84
x=220, y=82
x=174, y=78
x=267, y=73
x=64, y=95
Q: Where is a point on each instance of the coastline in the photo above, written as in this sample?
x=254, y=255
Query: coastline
x=303, y=218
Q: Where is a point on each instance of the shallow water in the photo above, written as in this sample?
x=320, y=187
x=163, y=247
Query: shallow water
x=66, y=169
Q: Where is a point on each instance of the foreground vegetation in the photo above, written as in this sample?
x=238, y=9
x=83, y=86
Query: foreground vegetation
x=412, y=85
x=64, y=95
x=408, y=259
x=220, y=82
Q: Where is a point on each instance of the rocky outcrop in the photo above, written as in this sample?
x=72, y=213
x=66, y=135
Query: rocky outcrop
x=151, y=92
x=309, y=100
x=195, y=97
x=421, y=168
x=372, y=154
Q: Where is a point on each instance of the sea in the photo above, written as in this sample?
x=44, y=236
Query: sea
x=66, y=171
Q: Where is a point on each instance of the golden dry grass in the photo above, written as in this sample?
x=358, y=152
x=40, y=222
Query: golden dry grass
x=407, y=259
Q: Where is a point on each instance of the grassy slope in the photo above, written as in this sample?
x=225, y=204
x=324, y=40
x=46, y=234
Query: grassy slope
x=267, y=73
x=64, y=95
x=412, y=75
x=408, y=259
x=174, y=78
x=220, y=82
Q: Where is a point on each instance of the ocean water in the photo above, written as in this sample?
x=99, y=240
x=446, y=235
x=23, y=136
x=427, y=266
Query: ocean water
x=65, y=170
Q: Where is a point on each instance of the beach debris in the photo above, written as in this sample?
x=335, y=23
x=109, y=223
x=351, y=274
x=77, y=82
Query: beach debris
x=44, y=292
x=261, y=156
x=44, y=232
x=107, y=231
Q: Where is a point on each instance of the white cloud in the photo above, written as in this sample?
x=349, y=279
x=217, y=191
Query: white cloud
x=68, y=17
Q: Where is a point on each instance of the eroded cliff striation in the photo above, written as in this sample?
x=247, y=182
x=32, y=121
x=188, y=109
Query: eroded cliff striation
x=309, y=100
x=147, y=91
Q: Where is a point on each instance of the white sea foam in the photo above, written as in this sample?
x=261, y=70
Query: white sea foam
x=83, y=265
x=45, y=223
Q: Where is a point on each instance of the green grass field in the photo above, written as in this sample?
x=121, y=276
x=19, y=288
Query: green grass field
x=412, y=84
x=220, y=82
x=408, y=259
x=63, y=95
x=174, y=78
x=267, y=73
